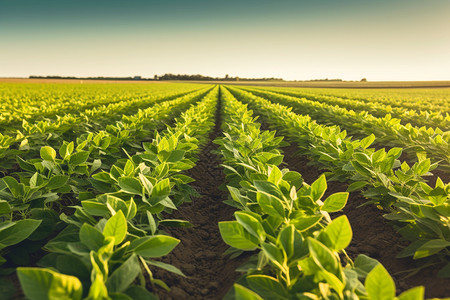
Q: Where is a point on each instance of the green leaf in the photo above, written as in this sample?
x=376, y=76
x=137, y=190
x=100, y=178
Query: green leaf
x=78, y=158
x=423, y=167
x=74, y=266
x=364, y=265
x=151, y=222
x=154, y=246
x=98, y=288
x=305, y=222
x=140, y=293
x=175, y=223
x=266, y=286
x=95, y=208
x=251, y=224
x=291, y=242
x=243, y=293
x=4, y=207
x=267, y=188
x=166, y=267
x=322, y=256
x=124, y=275
x=146, y=183
x=130, y=185
x=415, y=293
x=17, y=232
x=48, y=153
x=379, y=284
x=91, y=237
x=13, y=186
x=332, y=280
x=235, y=235
x=96, y=164
x=43, y=284
x=160, y=191
x=57, y=181
x=362, y=169
x=273, y=253
x=339, y=233
x=431, y=247
x=116, y=227
x=395, y=152
x=270, y=205
x=335, y=202
x=176, y=155
x=318, y=187
x=66, y=149
x=115, y=204
x=367, y=141
x=355, y=186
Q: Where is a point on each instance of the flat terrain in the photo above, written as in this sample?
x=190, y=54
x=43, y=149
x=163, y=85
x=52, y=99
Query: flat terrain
x=306, y=84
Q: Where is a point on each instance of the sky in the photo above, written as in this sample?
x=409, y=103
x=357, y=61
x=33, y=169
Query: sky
x=289, y=39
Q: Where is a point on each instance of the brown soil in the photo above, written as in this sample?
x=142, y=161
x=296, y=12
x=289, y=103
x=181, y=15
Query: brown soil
x=372, y=235
x=199, y=255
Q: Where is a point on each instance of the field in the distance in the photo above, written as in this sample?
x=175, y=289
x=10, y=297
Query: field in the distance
x=133, y=190
x=293, y=84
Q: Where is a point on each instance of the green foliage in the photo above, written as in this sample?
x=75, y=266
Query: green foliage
x=299, y=245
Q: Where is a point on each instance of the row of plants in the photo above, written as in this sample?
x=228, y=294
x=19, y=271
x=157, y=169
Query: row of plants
x=41, y=182
x=415, y=114
x=84, y=126
x=299, y=248
x=35, y=102
x=387, y=130
x=419, y=211
x=112, y=232
x=432, y=99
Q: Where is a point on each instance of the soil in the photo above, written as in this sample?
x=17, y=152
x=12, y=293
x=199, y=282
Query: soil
x=199, y=255
x=373, y=235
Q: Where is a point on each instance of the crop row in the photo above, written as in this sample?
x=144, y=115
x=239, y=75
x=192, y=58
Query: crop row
x=129, y=197
x=90, y=153
x=413, y=116
x=33, y=102
x=426, y=100
x=299, y=246
x=387, y=131
x=419, y=211
x=98, y=122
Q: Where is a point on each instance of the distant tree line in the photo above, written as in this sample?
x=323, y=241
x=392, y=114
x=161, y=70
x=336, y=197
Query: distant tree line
x=199, y=77
x=167, y=76
x=184, y=77
x=326, y=79
x=89, y=78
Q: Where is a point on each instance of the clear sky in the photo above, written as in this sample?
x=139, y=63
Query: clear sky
x=291, y=39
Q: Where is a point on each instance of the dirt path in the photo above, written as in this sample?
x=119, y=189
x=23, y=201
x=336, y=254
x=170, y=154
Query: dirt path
x=372, y=235
x=200, y=253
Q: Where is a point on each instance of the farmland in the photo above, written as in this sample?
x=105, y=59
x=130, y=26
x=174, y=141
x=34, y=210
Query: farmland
x=210, y=191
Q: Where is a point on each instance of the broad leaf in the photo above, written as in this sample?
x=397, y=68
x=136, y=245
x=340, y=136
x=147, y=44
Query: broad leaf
x=335, y=202
x=235, y=235
x=379, y=284
x=44, y=284
x=154, y=246
x=116, y=227
x=48, y=153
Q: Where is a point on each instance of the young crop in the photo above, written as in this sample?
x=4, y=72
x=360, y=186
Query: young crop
x=419, y=210
x=100, y=258
x=417, y=114
x=388, y=131
x=289, y=224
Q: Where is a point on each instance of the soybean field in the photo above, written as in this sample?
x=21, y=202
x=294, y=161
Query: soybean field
x=211, y=191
